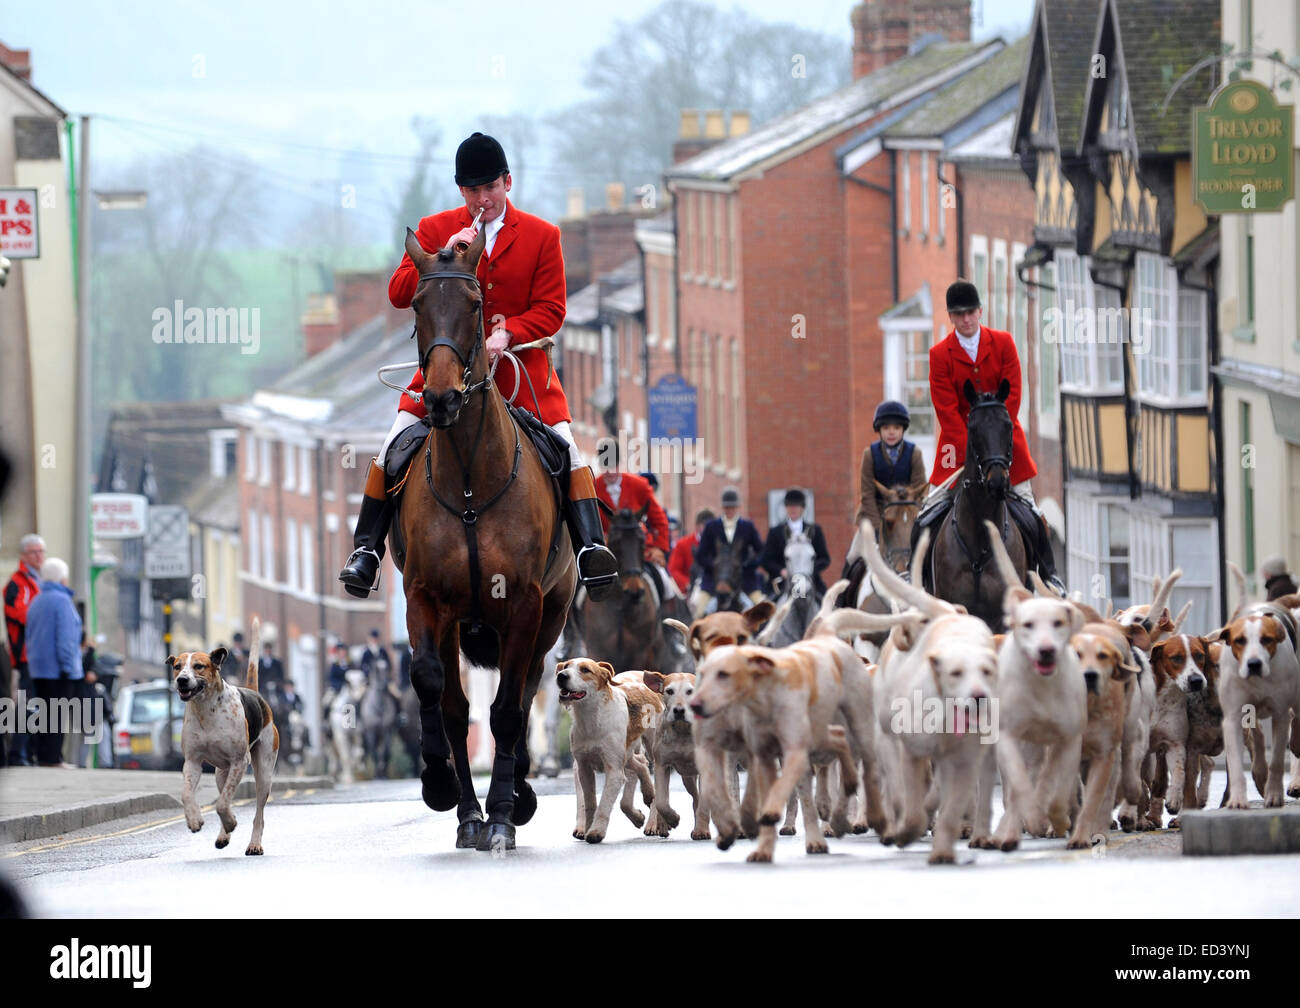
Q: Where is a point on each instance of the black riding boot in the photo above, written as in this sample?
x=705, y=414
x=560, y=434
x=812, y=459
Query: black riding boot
x=597, y=567
x=1046, y=561
x=361, y=570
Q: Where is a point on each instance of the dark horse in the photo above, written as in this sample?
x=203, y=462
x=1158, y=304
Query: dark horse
x=729, y=576
x=624, y=629
x=485, y=544
x=960, y=567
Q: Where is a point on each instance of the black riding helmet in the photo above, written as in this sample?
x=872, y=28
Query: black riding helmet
x=891, y=411
x=480, y=160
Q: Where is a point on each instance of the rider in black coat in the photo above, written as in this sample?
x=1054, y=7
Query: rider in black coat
x=778, y=536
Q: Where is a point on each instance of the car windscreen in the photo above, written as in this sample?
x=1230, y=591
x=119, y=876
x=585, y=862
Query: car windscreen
x=147, y=706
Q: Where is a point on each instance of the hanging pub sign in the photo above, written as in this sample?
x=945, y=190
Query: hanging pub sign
x=1242, y=150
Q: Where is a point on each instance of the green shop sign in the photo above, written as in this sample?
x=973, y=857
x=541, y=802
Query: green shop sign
x=1242, y=150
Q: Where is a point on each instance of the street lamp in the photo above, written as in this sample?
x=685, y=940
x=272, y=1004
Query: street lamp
x=105, y=200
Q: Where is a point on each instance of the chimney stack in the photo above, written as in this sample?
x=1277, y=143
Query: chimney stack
x=576, y=205
x=884, y=30
x=614, y=197
x=18, y=61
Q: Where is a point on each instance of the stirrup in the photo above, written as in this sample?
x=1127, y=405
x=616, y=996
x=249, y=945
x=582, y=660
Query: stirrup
x=599, y=586
x=352, y=582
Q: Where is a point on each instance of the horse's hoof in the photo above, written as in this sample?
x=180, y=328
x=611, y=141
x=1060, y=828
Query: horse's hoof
x=467, y=834
x=497, y=837
x=525, y=804
x=440, y=787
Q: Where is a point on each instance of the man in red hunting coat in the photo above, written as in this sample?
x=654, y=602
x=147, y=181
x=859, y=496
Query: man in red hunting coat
x=628, y=490
x=973, y=352
x=521, y=274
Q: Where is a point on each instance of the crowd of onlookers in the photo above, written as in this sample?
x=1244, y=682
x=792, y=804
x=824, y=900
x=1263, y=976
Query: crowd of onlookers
x=47, y=657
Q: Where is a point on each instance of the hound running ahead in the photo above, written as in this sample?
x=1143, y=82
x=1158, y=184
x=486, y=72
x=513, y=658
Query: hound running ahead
x=227, y=726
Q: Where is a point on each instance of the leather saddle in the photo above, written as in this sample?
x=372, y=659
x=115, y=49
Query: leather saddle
x=551, y=448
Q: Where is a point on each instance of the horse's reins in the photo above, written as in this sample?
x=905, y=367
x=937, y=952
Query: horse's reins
x=985, y=557
x=469, y=515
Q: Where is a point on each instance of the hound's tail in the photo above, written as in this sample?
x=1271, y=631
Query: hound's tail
x=254, y=649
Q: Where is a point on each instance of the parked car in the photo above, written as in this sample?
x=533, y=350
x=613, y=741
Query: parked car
x=149, y=719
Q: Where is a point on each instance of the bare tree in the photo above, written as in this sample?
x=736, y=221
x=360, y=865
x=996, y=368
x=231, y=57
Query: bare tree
x=684, y=54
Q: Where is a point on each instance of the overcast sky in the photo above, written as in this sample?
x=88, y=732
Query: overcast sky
x=288, y=82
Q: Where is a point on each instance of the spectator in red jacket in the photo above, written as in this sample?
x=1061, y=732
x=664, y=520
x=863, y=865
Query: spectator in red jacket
x=24, y=586
x=681, y=564
x=521, y=275
x=973, y=352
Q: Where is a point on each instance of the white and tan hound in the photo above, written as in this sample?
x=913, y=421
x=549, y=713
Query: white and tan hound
x=226, y=726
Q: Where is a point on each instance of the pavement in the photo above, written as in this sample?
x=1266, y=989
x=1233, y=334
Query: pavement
x=41, y=802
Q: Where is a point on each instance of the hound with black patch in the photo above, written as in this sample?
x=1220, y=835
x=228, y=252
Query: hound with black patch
x=227, y=726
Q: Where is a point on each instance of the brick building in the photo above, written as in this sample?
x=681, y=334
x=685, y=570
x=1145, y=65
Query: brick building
x=304, y=445
x=782, y=345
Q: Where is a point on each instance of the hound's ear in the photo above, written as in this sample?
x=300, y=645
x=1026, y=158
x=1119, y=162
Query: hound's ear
x=756, y=615
x=1138, y=637
x=654, y=681
x=607, y=668
x=1125, y=666
x=218, y=657
x=1015, y=594
x=1076, y=618
x=171, y=661
x=697, y=645
x=1004, y=390
x=761, y=664
x=1224, y=633
x=968, y=390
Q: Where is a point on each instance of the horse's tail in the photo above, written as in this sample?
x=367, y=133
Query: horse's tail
x=254, y=646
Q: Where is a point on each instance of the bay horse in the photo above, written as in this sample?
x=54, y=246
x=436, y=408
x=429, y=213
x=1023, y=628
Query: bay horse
x=485, y=544
x=899, y=506
x=960, y=568
x=624, y=629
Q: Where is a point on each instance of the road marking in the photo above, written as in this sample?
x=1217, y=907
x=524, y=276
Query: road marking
x=142, y=828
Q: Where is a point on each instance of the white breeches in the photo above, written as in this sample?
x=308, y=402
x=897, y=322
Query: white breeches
x=404, y=420
x=938, y=494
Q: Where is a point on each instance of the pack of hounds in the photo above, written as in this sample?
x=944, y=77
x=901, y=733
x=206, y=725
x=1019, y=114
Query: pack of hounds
x=1093, y=721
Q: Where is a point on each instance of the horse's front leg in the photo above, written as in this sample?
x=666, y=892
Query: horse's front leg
x=518, y=662
x=440, y=786
x=455, y=716
x=525, y=797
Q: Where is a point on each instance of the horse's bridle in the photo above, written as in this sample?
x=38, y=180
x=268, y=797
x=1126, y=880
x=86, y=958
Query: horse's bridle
x=444, y=340
x=982, y=465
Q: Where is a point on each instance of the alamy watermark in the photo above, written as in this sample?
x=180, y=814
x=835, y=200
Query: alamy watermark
x=1071, y=324
x=658, y=455
x=86, y=716
x=240, y=327
x=944, y=715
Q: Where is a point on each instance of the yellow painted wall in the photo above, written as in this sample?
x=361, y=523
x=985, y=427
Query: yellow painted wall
x=1189, y=219
x=1114, y=446
x=1193, y=453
